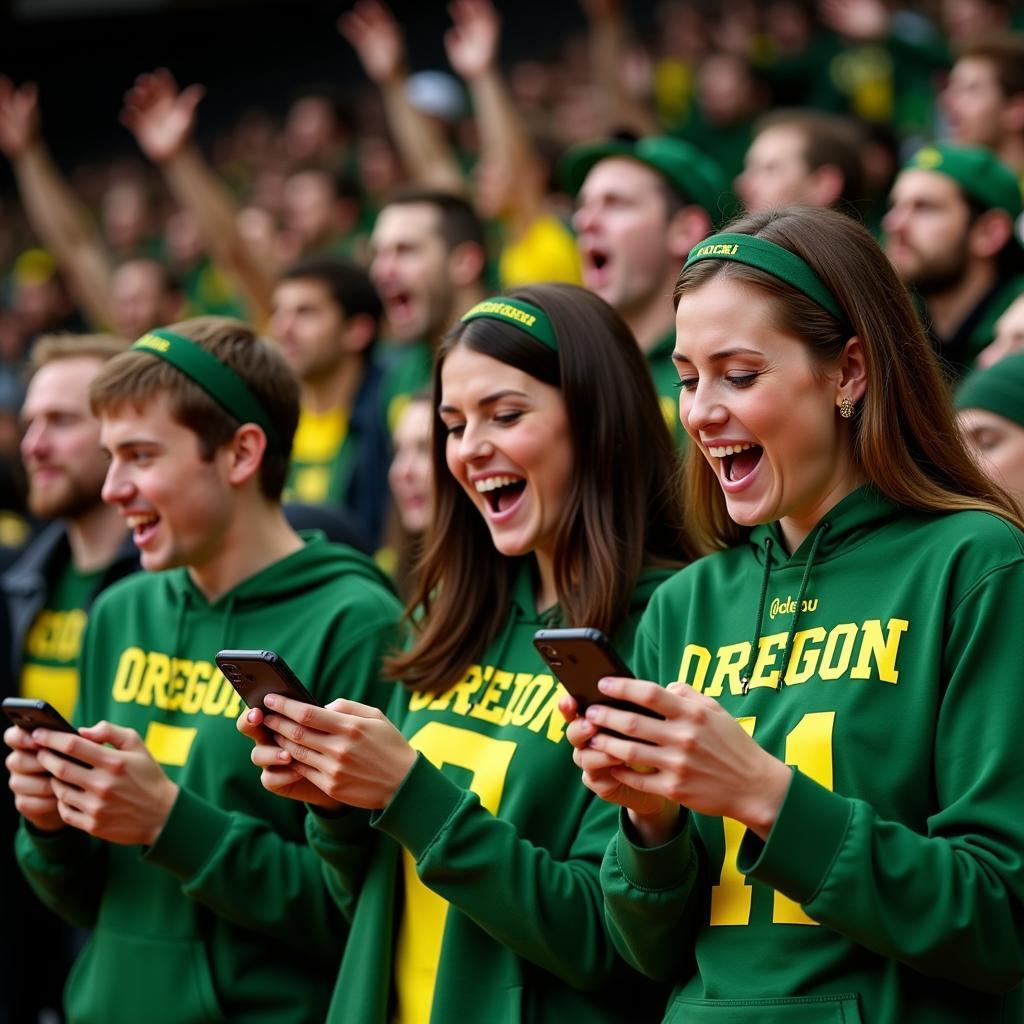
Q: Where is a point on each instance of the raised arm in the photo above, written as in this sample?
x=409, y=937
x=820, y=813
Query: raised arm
x=609, y=34
x=162, y=118
x=377, y=39
x=505, y=147
x=53, y=210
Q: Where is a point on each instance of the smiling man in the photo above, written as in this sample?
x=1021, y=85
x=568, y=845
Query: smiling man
x=641, y=207
x=166, y=844
x=428, y=265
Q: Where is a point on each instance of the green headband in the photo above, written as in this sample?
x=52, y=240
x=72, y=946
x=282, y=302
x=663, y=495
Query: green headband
x=524, y=315
x=772, y=259
x=217, y=379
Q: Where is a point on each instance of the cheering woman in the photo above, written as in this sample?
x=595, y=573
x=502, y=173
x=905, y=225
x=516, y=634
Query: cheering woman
x=826, y=825
x=455, y=832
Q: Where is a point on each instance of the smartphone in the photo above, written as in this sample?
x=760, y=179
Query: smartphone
x=254, y=674
x=38, y=714
x=580, y=658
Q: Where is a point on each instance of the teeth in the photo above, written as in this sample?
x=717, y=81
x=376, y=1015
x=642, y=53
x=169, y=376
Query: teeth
x=492, y=483
x=136, y=521
x=729, y=449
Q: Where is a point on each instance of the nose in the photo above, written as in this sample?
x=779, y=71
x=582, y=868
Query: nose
x=117, y=486
x=473, y=445
x=702, y=408
x=584, y=218
x=893, y=220
x=33, y=442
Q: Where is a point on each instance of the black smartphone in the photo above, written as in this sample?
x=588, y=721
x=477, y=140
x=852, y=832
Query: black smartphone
x=39, y=714
x=580, y=658
x=254, y=674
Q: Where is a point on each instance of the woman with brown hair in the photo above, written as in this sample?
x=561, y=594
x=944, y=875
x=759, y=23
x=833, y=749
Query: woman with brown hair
x=472, y=883
x=825, y=824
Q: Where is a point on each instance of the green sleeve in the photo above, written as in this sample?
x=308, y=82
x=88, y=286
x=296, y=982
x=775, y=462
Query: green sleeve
x=66, y=870
x=947, y=899
x=544, y=909
x=345, y=844
x=652, y=896
x=223, y=857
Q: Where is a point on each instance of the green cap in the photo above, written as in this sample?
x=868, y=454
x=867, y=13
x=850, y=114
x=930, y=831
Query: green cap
x=693, y=175
x=999, y=388
x=978, y=172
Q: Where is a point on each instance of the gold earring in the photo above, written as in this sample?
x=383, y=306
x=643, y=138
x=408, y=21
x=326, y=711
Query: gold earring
x=846, y=408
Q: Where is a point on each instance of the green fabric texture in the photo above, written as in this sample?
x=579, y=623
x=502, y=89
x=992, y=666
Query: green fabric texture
x=998, y=388
x=217, y=379
x=891, y=886
x=530, y=319
x=978, y=171
x=666, y=384
x=691, y=173
x=225, y=917
x=524, y=938
x=408, y=370
x=772, y=259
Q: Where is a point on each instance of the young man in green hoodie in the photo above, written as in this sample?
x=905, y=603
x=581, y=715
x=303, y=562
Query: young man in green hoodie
x=206, y=902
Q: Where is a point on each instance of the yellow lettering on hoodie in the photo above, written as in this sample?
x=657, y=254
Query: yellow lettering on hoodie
x=882, y=651
x=804, y=663
x=692, y=653
x=128, y=677
x=833, y=664
x=732, y=659
x=154, y=682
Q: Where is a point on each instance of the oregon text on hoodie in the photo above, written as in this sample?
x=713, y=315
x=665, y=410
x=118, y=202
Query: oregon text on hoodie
x=225, y=917
x=480, y=900
x=890, y=888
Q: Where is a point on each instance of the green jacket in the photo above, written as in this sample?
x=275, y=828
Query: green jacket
x=225, y=917
x=666, y=384
x=891, y=887
x=494, y=819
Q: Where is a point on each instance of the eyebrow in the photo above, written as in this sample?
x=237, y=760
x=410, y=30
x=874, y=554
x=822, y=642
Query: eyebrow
x=488, y=400
x=717, y=357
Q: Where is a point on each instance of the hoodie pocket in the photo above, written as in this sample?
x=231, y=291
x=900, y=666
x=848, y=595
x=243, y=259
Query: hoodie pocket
x=841, y=1009
x=124, y=979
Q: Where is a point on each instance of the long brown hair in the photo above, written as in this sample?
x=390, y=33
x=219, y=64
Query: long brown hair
x=905, y=438
x=621, y=514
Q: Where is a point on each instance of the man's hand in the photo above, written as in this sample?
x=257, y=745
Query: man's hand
x=472, y=42
x=19, y=117
x=160, y=115
x=372, y=30
x=125, y=797
x=30, y=782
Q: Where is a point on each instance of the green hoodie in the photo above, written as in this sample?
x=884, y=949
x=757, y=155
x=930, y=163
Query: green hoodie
x=494, y=820
x=890, y=888
x=225, y=917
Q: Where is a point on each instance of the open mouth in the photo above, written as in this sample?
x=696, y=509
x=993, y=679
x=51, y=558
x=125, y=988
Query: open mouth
x=143, y=527
x=596, y=266
x=738, y=460
x=501, y=492
x=399, y=305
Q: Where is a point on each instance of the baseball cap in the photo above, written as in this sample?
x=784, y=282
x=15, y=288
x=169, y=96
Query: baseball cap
x=695, y=176
x=978, y=172
x=998, y=388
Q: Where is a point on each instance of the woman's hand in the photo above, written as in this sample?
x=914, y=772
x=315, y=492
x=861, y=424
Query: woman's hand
x=653, y=816
x=349, y=751
x=697, y=756
x=279, y=773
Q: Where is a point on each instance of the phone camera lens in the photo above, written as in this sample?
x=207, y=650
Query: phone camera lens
x=229, y=669
x=548, y=651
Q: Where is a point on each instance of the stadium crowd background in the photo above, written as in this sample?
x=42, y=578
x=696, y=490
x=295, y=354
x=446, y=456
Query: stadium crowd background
x=703, y=71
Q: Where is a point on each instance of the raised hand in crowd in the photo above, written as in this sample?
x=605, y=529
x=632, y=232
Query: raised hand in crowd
x=161, y=116
x=19, y=116
x=375, y=35
x=862, y=20
x=472, y=41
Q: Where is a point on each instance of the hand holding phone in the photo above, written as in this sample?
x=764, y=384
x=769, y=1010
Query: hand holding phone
x=38, y=714
x=580, y=658
x=255, y=673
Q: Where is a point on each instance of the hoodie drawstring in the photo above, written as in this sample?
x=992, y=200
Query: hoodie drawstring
x=752, y=659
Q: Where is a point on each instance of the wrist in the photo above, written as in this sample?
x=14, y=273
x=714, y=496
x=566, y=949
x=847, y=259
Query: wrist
x=761, y=806
x=166, y=798
x=657, y=828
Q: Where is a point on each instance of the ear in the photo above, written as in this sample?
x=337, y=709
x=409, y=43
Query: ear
x=466, y=264
x=852, y=381
x=687, y=227
x=989, y=234
x=825, y=185
x=1013, y=113
x=358, y=332
x=244, y=454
